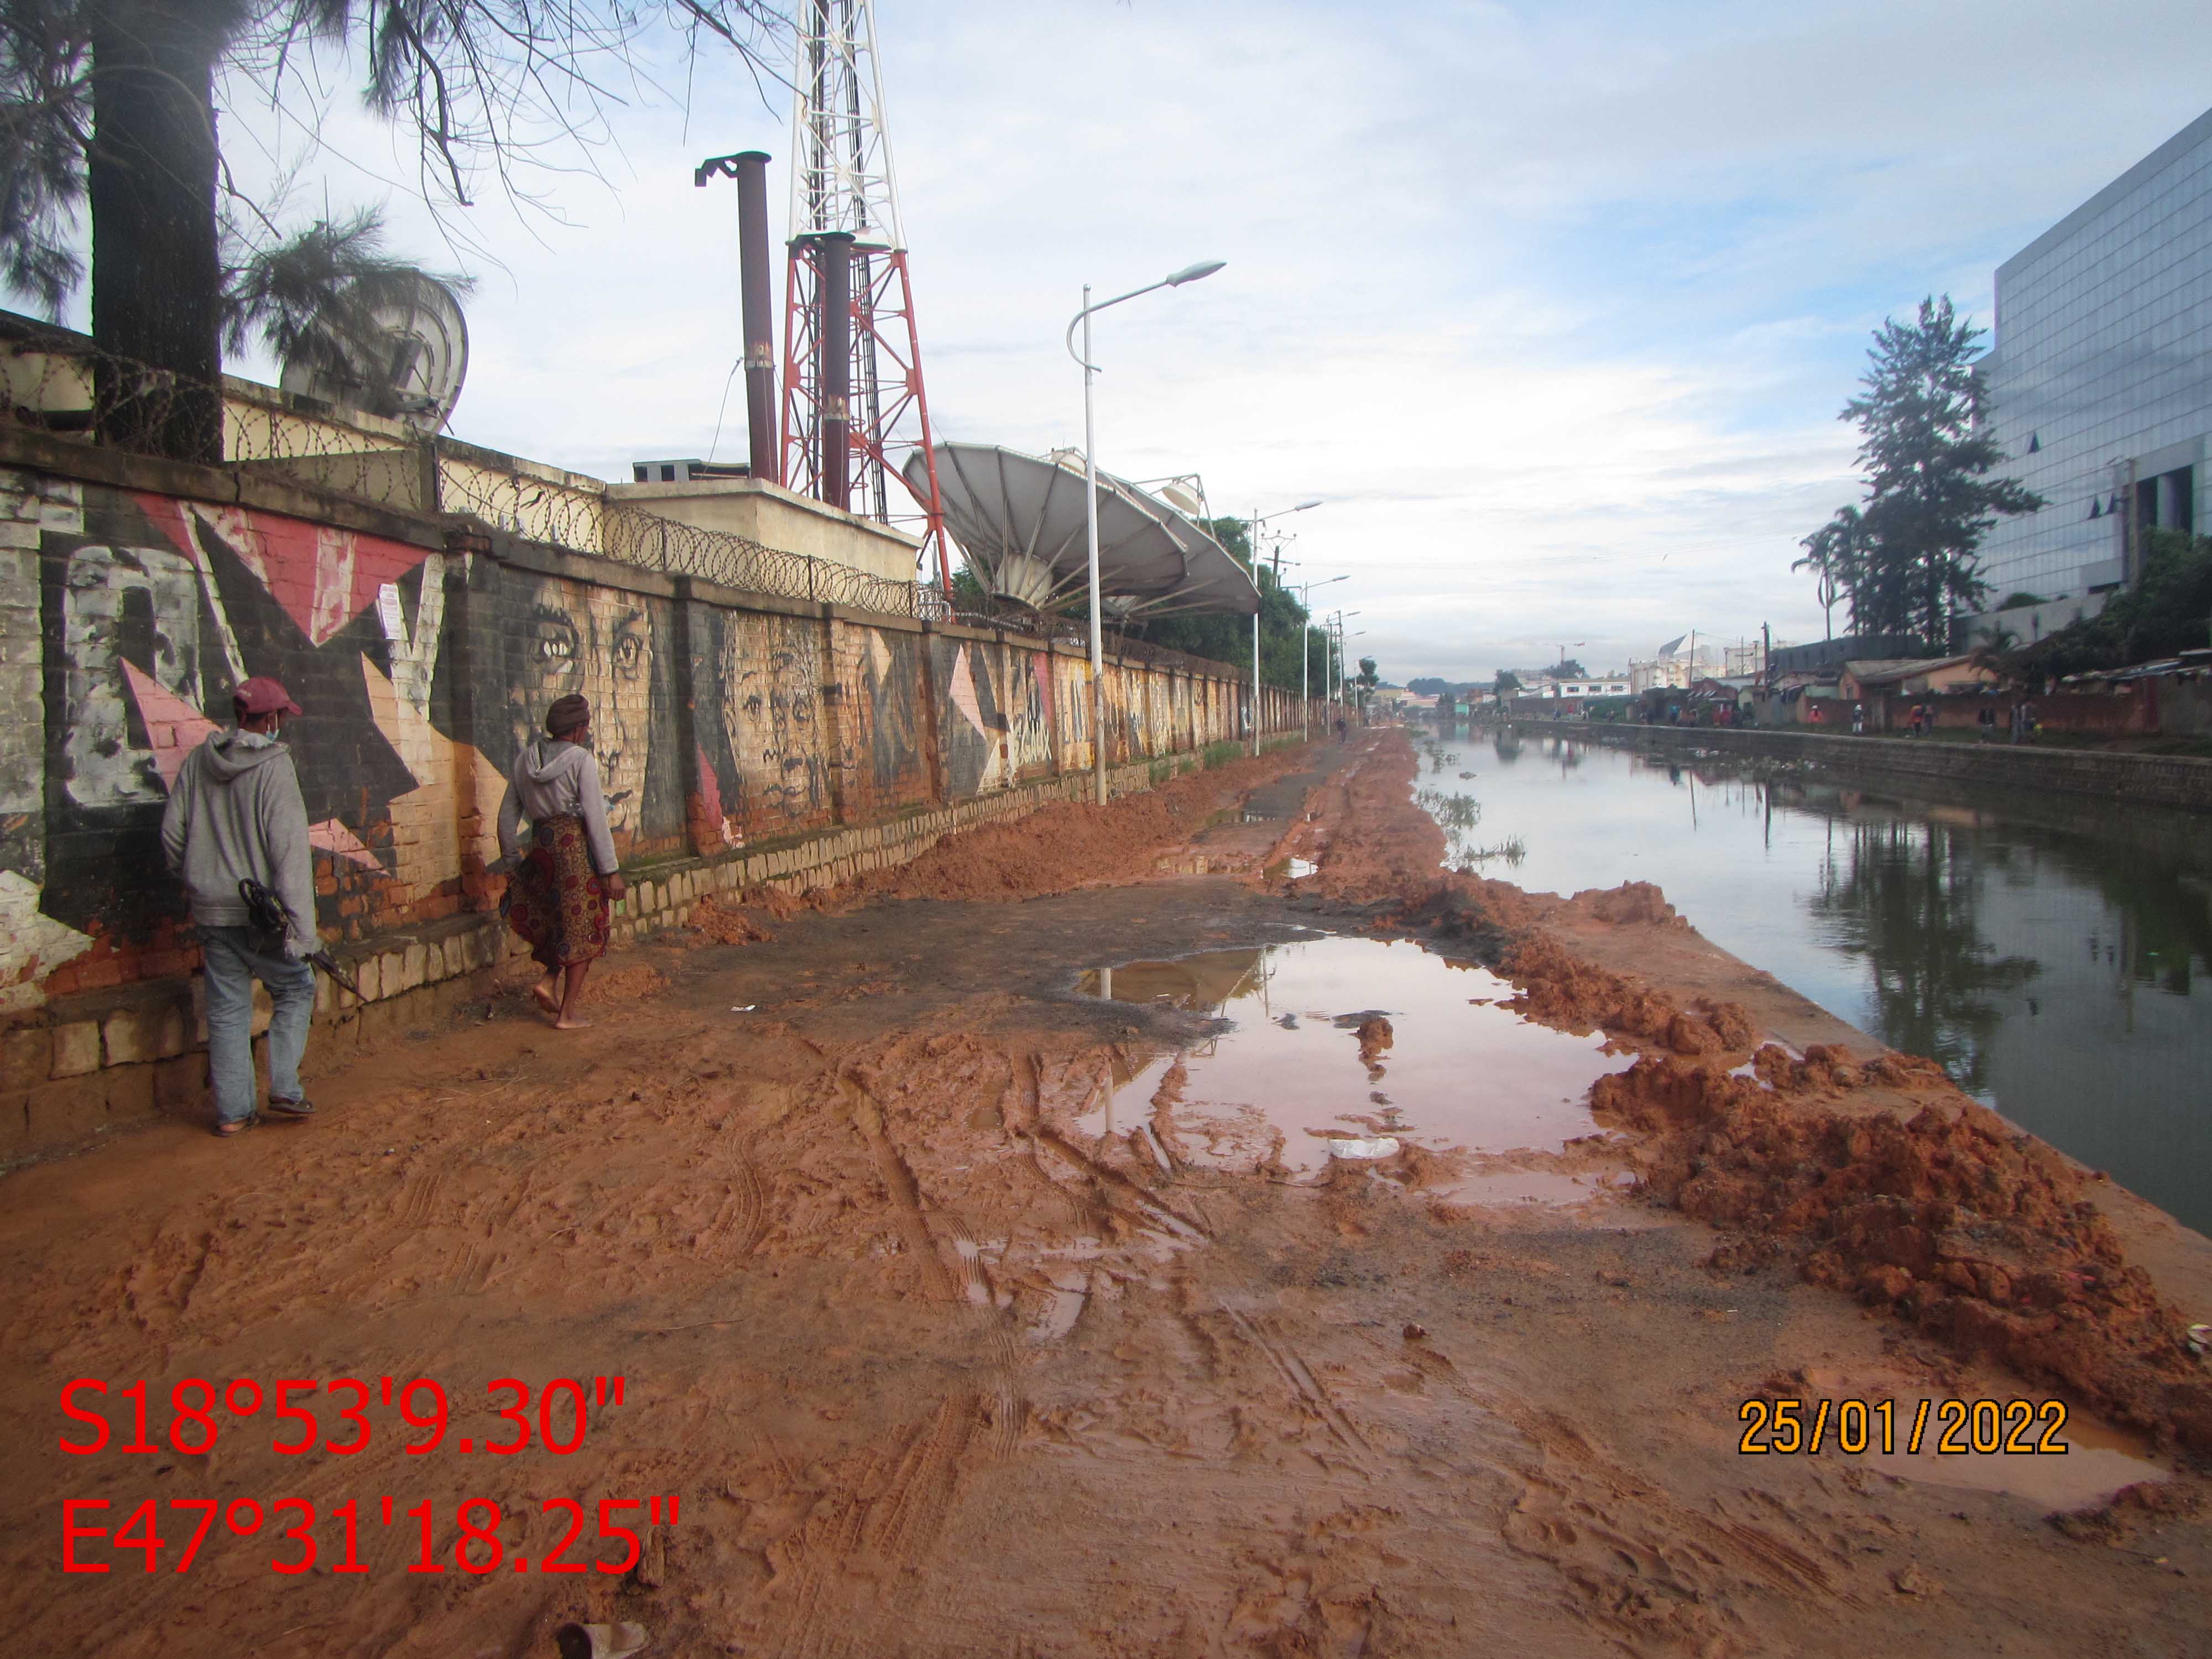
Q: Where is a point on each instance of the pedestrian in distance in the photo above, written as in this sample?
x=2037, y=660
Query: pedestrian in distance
x=235, y=816
x=1985, y=719
x=1858, y=720
x=1913, y=723
x=558, y=894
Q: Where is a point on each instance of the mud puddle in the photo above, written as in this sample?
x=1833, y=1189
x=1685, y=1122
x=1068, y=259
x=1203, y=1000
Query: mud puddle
x=1342, y=1046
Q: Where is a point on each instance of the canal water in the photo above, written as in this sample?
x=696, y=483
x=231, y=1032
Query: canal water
x=2055, y=955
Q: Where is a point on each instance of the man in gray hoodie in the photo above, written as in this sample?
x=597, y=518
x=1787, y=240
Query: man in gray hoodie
x=235, y=814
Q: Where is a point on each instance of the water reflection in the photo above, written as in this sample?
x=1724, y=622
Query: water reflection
x=1339, y=1041
x=2051, y=953
x=1908, y=897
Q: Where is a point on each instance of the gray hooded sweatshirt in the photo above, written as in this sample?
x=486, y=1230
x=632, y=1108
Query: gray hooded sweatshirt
x=553, y=778
x=236, y=812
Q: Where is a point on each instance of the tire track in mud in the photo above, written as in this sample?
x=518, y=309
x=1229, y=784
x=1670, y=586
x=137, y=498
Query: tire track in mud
x=1153, y=1214
x=968, y=1281
x=1656, y=1575
x=895, y=1507
x=1291, y=1367
x=749, y=1222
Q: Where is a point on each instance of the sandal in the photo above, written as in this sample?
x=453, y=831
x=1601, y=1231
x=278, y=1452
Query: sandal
x=293, y=1109
x=228, y=1126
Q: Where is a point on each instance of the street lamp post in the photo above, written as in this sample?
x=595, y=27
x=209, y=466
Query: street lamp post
x=1336, y=655
x=1305, y=654
x=1187, y=274
x=1252, y=536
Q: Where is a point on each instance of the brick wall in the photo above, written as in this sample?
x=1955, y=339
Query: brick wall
x=740, y=738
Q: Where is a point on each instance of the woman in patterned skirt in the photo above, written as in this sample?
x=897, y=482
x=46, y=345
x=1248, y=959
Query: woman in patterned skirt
x=557, y=895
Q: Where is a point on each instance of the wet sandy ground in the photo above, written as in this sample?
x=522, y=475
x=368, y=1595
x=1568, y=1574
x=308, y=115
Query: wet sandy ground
x=938, y=1364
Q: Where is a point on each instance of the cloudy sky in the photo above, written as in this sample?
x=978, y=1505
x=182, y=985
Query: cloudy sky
x=1553, y=305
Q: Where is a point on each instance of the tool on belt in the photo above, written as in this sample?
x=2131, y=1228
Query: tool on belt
x=266, y=916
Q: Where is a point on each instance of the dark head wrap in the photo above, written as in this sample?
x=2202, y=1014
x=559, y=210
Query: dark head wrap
x=569, y=714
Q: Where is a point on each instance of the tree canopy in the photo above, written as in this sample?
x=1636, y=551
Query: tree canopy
x=1904, y=557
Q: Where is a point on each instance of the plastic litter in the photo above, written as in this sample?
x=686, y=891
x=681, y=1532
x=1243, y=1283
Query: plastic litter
x=750, y=1007
x=601, y=1641
x=1369, y=1146
x=2200, y=1337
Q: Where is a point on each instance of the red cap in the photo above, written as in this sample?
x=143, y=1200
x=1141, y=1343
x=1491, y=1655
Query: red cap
x=263, y=695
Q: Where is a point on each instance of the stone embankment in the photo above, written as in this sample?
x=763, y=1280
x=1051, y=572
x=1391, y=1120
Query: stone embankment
x=2173, y=780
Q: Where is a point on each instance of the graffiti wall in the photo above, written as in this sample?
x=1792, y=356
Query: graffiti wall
x=128, y=619
x=1028, y=711
x=768, y=758
x=972, y=730
x=882, y=693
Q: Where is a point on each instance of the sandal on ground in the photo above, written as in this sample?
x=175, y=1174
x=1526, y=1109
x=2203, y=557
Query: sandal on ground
x=294, y=1109
x=228, y=1126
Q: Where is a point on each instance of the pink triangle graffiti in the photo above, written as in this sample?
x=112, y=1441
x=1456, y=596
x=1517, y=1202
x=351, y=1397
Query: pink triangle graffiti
x=323, y=576
x=963, y=690
x=174, y=728
x=332, y=838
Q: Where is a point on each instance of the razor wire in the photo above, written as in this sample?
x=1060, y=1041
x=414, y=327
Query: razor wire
x=57, y=382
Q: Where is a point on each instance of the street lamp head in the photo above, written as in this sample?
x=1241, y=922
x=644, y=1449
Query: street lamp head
x=1303, y=506
x=1191, y=273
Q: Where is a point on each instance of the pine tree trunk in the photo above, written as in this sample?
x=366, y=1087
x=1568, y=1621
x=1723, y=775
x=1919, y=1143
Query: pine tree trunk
x=156, y=276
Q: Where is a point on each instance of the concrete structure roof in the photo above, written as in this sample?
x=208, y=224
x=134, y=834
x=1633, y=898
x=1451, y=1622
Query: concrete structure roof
x=1886, y=670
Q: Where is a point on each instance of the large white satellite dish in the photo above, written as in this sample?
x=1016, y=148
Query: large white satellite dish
x=411, y=372
x=1021, y=521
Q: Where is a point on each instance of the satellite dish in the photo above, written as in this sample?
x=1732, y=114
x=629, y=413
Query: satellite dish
x=1021, y=521
x=409, y=368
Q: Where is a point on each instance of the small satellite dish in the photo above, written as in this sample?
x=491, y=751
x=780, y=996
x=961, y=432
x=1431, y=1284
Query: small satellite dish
x=409, y=371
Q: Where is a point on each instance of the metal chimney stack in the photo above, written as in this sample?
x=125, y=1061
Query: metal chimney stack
x=759, y=315
x=833, y=264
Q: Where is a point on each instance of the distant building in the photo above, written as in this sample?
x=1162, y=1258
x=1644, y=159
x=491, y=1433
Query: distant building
x=1913, y=677
x=1673, y=666
x=1552, y=687
x=2100, y=379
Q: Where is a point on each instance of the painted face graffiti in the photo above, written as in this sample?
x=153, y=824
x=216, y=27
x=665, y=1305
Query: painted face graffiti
x=778, y=738
x=598, y=642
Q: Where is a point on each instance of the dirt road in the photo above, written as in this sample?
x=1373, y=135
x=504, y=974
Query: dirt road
x=936, y=1359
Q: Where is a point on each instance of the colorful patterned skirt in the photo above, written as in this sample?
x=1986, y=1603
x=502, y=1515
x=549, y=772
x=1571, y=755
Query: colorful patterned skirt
x=555, y=900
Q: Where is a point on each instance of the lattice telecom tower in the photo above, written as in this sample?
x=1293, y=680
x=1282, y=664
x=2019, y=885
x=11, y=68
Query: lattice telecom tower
x=852, y=399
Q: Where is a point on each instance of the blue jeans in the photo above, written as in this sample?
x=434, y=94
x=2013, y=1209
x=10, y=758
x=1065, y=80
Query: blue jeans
x=232, y=964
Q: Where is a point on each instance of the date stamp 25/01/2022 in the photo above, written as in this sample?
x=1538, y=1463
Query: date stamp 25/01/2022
x=2013, y=1428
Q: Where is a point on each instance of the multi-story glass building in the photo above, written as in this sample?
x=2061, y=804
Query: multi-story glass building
x=2101, y=376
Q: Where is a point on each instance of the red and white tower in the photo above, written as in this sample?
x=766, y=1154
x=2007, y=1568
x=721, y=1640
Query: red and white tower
x=853, y=400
